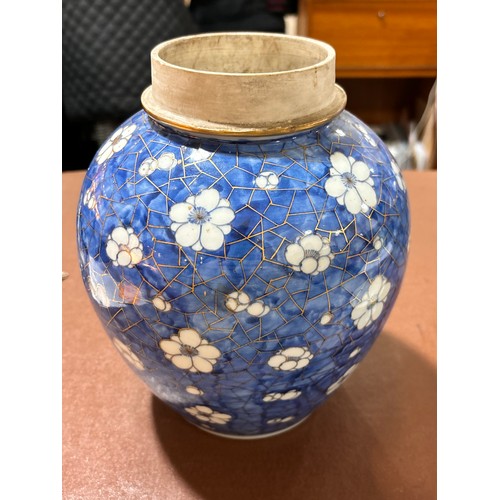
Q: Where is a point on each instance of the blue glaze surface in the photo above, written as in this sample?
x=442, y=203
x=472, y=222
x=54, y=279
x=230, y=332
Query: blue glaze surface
x=243, y=281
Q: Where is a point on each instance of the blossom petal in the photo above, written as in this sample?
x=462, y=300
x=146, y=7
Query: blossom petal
x=190, y=337
x=191, y=389
x=367, y=193
x=340, y=162
x=233, y=305
x=384, y=291
x=221, y=216
x=256, y=309
x=261, y=181
x=112, y=249
x=325, y=249
x=188, y=234
x=208, y=199
x=183, y=362
x=243, y=298
x=161, y=304
x=218, y=420
x=236, y=304
x=377, y=310
x=294, y=352
x=273, y=179
x=204, y=409
x=294, y=254
x=135, y=255
x=353, y=201
x=290, y=395
x=302, y=362
x=311, y=242
x=289, y=365
x=119, y=145
x=124, y=258
x=212, y=238
x=116, y=134
x=202, y=365
x=107, y=152
x=323, y=263
x=128, y=131
x=180, y=212
x=120, y=235
x=133, y=241
x=365, y=320
x=334, y=186
x=355, y=352
x=203, y=418
x=108, y=143
x=309, y=265
x=208, y=352
x=375, y=287
x=170, y=347
x=359, y=310
x=147, y=166
x=360, y=170
x=326, y=318
x=276, y=360
x=166, y=161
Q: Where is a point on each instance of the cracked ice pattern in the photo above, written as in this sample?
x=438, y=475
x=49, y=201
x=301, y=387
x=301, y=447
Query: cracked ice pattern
x=279, y=309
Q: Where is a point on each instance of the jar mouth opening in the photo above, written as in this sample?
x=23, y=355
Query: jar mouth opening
x=243, y=54
x=243, y=84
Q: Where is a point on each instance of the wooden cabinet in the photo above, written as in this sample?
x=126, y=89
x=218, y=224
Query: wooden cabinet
x=375, y=38
x=386, y=52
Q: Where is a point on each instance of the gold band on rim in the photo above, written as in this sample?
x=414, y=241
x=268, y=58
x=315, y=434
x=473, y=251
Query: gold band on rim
x=215, y=129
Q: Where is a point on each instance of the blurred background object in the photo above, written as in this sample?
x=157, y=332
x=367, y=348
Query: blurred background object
x=387, y=64
x=386, y=61
x=106, y=56
x=241, y=15
x=106, y=47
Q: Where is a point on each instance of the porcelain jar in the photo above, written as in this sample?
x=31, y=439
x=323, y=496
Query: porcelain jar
x=243, y=238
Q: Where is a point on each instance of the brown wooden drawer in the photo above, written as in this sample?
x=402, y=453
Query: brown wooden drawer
x=375, y=38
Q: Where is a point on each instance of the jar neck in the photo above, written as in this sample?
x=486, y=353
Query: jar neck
x=243, y=85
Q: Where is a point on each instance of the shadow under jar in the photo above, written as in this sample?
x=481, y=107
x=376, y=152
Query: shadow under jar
x=243, y=238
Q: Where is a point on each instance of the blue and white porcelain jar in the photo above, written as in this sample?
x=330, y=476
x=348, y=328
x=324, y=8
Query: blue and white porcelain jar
x=243, y=238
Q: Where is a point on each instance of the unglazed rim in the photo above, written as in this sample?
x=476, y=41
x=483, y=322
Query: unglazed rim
x=243, y=104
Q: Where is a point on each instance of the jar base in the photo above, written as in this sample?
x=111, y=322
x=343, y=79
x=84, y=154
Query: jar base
x=257, y=436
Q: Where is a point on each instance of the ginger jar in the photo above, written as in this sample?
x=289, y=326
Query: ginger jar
x=243, y=237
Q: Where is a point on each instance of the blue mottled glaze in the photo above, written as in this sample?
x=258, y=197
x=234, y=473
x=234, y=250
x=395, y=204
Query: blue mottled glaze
x=244, y=334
